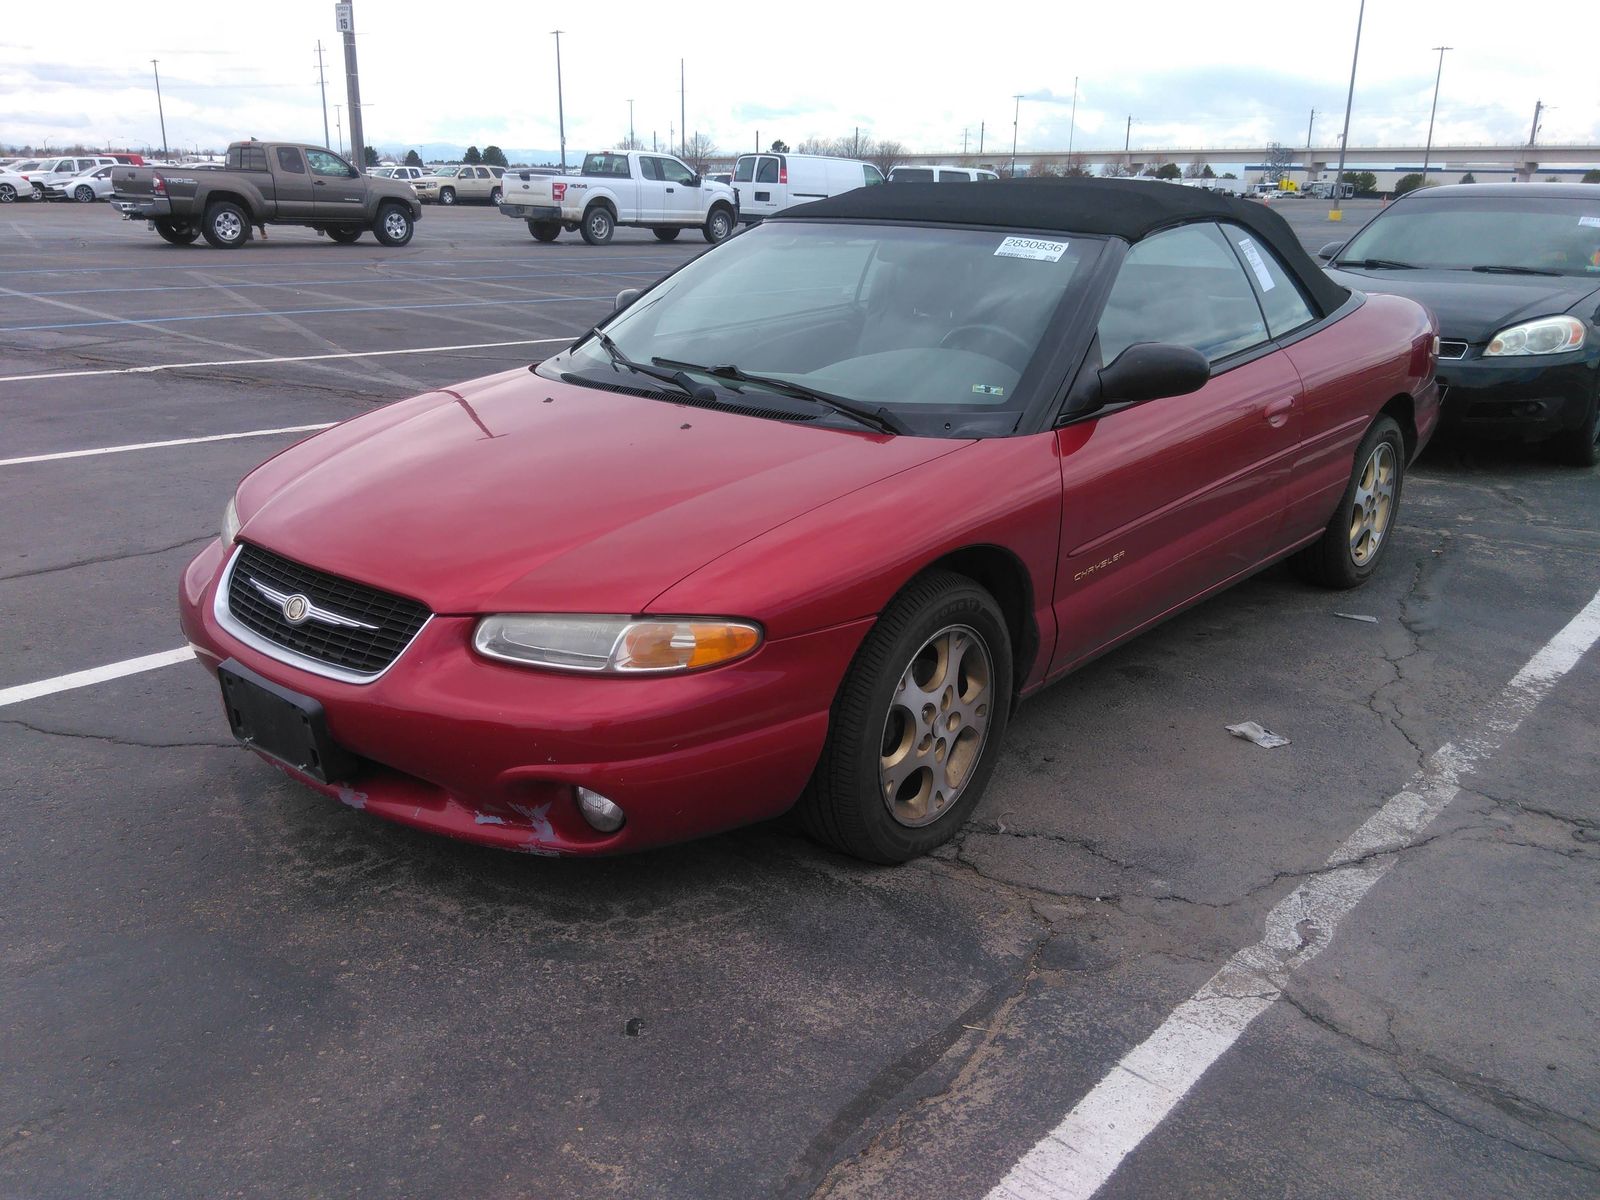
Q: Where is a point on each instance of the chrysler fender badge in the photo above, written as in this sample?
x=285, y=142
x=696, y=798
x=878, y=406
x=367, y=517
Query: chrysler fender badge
x=296, y=609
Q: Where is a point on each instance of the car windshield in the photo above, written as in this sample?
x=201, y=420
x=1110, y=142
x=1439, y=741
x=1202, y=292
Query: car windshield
x=1553, y=234
x=937, y=325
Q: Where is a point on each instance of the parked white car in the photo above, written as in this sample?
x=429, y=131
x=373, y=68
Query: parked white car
x=632, y=187
x=941, y=174
x=769, y=183
x=14, y=186
x=51, y=171
x=85, y=188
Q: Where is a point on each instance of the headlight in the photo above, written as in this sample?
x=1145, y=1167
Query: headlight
x=1547, y=335
x=230, y=521
x=614, y=645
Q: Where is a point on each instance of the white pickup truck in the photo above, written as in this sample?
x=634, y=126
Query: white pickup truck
x=655, y=191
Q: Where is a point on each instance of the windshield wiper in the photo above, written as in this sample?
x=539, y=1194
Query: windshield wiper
x=1509, y=270
x=1376, y=264
x=880, y=418
x=698, y=391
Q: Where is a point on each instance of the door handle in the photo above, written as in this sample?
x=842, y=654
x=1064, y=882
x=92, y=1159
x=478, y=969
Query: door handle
x=1277, y=413
x=669, y=189
x=318, y=183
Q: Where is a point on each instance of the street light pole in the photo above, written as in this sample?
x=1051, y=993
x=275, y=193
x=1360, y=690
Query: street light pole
x=1310, y=124
x=631, y=146
x=160, y=109
x=338, y=126
x=1337, y=214
x=322, y=82
x=1428, y=151
x=1015, y=115
x=561, y=105
x=1072, y=128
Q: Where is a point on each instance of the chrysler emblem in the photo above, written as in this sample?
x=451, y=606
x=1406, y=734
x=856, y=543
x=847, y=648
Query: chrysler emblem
x=296, y=608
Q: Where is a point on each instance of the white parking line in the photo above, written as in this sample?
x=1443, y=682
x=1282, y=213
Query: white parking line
x=1076, y=1158
x=78, y=679
x=245, y=362
x=193, y=441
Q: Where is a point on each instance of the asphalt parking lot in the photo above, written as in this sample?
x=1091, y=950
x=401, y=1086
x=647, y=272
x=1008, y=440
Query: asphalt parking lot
x=214, y=983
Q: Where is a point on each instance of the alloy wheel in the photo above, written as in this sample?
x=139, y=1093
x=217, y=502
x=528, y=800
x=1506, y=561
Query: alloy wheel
x=394, y=224
x=227, y=226
x=1372, y=504
x=938, y=720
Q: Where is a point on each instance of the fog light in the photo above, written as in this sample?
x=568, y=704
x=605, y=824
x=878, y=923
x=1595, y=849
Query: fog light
x=600, y=812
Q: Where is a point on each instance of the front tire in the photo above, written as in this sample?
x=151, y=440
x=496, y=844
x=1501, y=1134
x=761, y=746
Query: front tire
x=719, y=225
x=916, y=726
x=544, y=231
x=598, y=225
x=666, y=235
x=394, y=225
x=177, y=233
x=1359, y=533
x=1580, y=447
x=494, y=196
x=447, y=195
x=83, y=194
x=226, y=225
x=7, y=193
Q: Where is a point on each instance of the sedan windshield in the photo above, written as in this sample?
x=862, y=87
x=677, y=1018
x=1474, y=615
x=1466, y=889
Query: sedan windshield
x=938, y=326
x=1539, y=234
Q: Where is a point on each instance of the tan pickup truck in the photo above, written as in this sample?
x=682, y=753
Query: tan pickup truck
x=266, y=183
x=469, y=183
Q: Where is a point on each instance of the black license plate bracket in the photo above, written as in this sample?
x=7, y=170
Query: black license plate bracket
x=284, y=725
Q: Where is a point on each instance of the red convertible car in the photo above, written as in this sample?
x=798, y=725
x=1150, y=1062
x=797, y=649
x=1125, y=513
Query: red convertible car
x=807, y=518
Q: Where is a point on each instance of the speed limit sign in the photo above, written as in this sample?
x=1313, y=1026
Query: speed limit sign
x=342, y=20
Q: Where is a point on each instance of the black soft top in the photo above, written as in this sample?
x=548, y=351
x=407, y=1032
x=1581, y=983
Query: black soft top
x=1129, y=209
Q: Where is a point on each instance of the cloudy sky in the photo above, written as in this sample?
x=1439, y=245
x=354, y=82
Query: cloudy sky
x=470, y=71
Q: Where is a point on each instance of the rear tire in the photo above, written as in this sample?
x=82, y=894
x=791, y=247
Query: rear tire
x=226, y=225
x=544, y=231
x=1580, y=447
x=666, y=235
x=598, y=225
x=394, y=225
x=83, y=194
x=494, y=196
x=344, y=236
x=447, y=195
x=7, y=193
x=1359, y=533
x=916, y=726
x=719, y=224
x=178, y=233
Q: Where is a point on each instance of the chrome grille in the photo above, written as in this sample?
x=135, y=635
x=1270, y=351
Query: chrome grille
x=1452, y=349
x=352, y=627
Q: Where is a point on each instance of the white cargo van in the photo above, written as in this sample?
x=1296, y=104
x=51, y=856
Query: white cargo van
x=769, y=183
x=941, y=174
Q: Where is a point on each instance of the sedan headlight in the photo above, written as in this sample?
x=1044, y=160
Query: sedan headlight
x=615, y=645
x=230, y=521
x=1547, y=335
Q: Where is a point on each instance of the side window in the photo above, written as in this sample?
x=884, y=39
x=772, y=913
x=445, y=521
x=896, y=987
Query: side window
x=1186, y=287
x=484, y=173
x=767, y=171
x=328, y=165
x=1281, y=300
x=949, y=176
x=674, y=171
x=497, y=172
x=255, y=158
x=874, y=176
x=744, y=170
x=289, y=160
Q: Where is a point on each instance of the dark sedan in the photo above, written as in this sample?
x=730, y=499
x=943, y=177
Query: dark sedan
x=1512, y=271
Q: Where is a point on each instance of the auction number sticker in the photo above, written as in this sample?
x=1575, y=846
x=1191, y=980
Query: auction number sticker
x=1034, y=248
x=1257, y=264
x=1590, y=222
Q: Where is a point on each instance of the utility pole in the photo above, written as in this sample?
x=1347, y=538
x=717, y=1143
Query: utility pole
x=1127, y=138
x=322, y=82
x=683, y=108
x=1533, y=135
x=561, y=104
x=1072, y=129
x=963, y=143
x=981, y=125
x=1427, y=152
x=338, y=125
x=344, y=18
x=1337, y=214
x=162, y=112
x=1016, y=114
x=631, y=146
x=1310, y=124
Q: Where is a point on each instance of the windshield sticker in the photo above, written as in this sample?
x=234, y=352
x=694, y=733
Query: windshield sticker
x=1257, y=264
x=1591, y=222
x=1034, y=248
x=988, y=389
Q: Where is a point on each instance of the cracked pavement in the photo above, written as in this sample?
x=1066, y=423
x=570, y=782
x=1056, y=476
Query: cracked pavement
x=214, y=983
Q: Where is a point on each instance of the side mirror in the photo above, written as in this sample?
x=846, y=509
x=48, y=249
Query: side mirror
x=1153, y=371
x=1329, y=252
x=626, y=297
x=694, y=181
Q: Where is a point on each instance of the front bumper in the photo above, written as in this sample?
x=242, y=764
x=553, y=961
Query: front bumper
x=530, y=212
x=490, y=752
x=1536, y=396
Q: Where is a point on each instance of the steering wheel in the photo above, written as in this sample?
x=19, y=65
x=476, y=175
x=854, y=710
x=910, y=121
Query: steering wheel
x=996, y=330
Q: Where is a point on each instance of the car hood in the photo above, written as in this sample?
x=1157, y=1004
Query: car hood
x=514, y=493
x=1473, y=307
